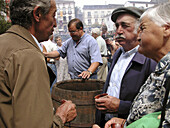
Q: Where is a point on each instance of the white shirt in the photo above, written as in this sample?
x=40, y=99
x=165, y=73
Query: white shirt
x=37, y=43
x=102, y=45
x=50, y=46
x=119, y=71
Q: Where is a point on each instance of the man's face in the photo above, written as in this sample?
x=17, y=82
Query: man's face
x=74, y=32
x=151, y=37
x=94, y=35
x=125, y=35
x=47, y=23
x=58, y=41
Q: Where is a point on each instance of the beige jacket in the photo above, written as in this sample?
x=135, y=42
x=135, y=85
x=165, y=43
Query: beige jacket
x=25, y=100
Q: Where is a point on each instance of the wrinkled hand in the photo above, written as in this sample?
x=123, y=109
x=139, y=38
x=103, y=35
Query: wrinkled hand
x=84, y=75
x=95, y=126
x=114, y=120
x=107, y=103
x=67, y=111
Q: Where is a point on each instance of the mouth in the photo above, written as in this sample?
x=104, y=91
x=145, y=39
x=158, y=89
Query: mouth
x=120, y=39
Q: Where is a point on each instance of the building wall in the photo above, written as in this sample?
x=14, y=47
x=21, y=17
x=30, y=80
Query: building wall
x=140, y=4
x=95, y=15
x=65, y=12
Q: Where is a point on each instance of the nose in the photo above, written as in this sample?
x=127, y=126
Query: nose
x=139, y=35
x=139, y=39
x=119, y=30
x=55, y=22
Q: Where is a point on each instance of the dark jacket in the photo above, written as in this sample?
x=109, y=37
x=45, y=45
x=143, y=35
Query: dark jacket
x=136, y=74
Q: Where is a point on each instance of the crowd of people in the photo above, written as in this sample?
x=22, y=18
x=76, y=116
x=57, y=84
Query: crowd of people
x=135, y=66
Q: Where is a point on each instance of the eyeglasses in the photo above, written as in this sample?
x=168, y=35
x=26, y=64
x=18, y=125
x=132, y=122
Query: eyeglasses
x=72, y=32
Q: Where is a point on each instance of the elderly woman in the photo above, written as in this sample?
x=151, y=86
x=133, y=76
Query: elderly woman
x=154, y=37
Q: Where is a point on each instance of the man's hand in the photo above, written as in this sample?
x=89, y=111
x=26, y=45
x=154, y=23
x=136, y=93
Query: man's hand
x=67, y=111
x=107, y=103
x=115, y=121
x=85, y=75
x=95, y=126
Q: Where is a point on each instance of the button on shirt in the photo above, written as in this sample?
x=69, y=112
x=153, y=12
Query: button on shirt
x=81, y=55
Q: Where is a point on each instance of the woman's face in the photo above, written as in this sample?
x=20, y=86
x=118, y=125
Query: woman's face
x=151, y=37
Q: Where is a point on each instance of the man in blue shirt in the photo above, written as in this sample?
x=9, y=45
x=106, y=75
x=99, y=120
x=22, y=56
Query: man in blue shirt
x=82, y=51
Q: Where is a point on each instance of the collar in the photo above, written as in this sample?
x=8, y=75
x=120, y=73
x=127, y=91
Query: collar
x=36, y=41
x=81, y=38
x=163, y=63
x=129, y=53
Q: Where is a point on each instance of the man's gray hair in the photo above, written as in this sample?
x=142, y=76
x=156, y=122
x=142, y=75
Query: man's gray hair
x=96, y=31
x=137, y=24
x=160, y=14
x=21, y=11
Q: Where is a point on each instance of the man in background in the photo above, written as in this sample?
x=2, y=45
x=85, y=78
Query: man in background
x=61, y=64
x=103, y=69
x=82, y=51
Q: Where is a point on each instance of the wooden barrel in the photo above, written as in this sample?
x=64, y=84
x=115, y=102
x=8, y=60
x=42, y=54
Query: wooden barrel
x=80, y=92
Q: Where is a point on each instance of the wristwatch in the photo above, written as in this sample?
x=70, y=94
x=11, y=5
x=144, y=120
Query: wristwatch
x=90, y=72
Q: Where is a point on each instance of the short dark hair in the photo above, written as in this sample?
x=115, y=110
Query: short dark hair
x=78, y=23
x=21, y=11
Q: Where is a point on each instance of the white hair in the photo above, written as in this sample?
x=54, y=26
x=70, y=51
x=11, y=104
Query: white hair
x=96, y=31
x=160, y=14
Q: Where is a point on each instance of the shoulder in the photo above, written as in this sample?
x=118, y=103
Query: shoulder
x=140, y=57
x=89, y=39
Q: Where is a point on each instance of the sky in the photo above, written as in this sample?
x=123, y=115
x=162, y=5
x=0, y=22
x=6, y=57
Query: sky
x=80, y=3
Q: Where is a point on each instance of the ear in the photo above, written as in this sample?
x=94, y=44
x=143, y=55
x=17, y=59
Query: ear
x=37, y=13
x=166, y=30
x=81, y=28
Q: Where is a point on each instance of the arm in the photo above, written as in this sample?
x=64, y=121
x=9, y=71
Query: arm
x=66, y=111
x=53, y=54
x=107, y=103
x=92, y=69
x=114, y=120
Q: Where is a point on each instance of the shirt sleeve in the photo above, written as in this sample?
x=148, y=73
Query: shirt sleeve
x=63, y=49
x=95, y=51
x=57, y=122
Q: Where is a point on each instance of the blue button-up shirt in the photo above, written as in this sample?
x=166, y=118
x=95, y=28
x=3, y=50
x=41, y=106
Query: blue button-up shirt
x=81, y=55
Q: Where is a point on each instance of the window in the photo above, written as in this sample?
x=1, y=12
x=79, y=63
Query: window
x=69, y=10
x=64, y=18
x=58, y=10
x=64, y=10
x=70, y=17
x=89, y=21
x=89, y=14
x=95, y=14
x=96, y=20
x=102, y=14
